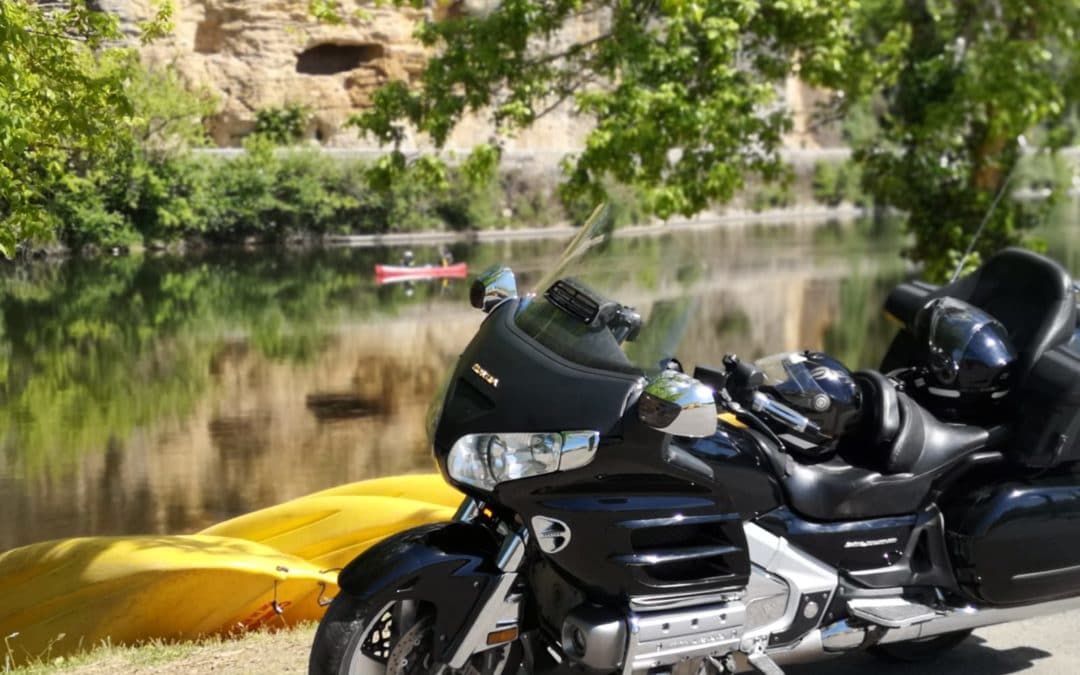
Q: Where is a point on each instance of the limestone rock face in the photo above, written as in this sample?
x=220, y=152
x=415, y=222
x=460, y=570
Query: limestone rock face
x=254, y=54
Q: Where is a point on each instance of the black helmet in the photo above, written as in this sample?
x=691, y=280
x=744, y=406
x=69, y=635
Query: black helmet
x=819, y=387
x=969, y=357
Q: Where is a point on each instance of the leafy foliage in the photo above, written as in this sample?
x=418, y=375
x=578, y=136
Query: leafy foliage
x=64, y=104
x=161, y=197
x=838, y=182
x=683, y=96
x=683, y=93
x=283, y=125
x=958, y=85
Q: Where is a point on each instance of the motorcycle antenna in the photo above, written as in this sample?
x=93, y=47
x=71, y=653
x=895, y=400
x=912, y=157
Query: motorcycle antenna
x=1022, y=142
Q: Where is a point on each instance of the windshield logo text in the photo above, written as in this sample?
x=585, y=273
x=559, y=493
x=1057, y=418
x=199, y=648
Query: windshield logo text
x=485, y=375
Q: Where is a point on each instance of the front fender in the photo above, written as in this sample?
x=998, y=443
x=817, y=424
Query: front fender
x=450, y=566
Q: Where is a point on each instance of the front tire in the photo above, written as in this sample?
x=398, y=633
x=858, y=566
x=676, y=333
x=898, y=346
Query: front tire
x=357, y=638
x=348, y=623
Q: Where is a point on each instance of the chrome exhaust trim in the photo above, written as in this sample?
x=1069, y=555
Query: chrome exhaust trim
x=841, y=636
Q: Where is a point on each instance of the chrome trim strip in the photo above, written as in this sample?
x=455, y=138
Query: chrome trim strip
x=578, y=449
x=679, y=520
x=1046, y=573
x=674, y=555
x=652, y=603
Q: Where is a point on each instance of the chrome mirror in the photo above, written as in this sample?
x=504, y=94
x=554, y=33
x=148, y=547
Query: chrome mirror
x=495, y=284
x=677, y=404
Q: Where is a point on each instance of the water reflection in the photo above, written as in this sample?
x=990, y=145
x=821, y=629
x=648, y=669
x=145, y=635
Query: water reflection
x=162, y=394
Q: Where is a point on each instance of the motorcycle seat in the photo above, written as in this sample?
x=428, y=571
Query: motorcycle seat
x=924, y=444
x=880, y=408
x=897, y=435
x=880, y=472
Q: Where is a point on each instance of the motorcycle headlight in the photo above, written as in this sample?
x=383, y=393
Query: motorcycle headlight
x=485, y=460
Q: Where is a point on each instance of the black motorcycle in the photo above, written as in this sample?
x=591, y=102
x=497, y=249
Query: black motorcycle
x=627, y=519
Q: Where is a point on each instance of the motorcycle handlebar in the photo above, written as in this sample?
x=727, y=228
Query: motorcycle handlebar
x=782, y=413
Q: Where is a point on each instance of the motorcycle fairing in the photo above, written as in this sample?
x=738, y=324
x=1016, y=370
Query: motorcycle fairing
x=506, y=382
x=644, y=523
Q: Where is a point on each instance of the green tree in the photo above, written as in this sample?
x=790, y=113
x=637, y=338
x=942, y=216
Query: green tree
x=683, y=93
x=63, y=104
x=683, y=96
x=283, y=125
x=960, y=85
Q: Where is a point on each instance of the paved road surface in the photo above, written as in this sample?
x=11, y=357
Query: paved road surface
x=1044, y=646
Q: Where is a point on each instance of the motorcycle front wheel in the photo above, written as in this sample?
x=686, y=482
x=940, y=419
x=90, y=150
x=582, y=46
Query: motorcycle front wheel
x=357, y=638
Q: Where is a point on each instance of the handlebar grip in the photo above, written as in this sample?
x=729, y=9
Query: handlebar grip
x=782, y=413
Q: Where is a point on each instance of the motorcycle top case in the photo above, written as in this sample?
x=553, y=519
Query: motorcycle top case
x=1049, y=430
x=1017, y=541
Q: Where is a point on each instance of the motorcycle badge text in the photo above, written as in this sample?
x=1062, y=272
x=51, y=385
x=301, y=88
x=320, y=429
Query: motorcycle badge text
x=552, y=535
x=485, y=375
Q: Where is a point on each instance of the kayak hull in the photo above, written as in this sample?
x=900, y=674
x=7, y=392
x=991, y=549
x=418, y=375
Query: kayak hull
x=63, y=596
x=402, y=272
x=421, y=487
x=329, y=531
x=59, y=597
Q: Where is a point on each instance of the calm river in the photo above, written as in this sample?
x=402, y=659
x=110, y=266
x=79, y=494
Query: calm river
x=164, y=394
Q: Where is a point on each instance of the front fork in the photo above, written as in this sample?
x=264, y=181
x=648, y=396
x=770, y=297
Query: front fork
x=497, y=618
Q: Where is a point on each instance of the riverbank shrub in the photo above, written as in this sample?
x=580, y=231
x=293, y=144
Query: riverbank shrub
x=834, y=183
x=284, y=125
x=772, y=196
x=273, y=195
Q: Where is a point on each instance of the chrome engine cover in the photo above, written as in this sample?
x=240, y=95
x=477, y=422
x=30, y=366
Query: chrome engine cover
x=669, y=637
x=667, y=630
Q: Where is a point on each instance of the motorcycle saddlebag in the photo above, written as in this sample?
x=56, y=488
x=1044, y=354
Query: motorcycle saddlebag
x=1048, y=432
x=1017, y=542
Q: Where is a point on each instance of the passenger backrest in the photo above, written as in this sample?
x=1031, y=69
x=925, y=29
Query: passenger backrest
x=1030, y=294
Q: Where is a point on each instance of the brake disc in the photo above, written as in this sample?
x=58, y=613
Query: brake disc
x=412, y=654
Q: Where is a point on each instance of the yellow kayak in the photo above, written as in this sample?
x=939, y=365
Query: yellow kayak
x=329, y=531
x=424, y=487
x=60, y=596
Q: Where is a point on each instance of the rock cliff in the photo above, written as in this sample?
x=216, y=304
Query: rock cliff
x=254, y=54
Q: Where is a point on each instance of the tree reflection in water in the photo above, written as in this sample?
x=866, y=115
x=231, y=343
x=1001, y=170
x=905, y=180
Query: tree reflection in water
x=162, y=394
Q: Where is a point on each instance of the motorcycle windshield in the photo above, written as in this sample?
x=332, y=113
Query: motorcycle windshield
x=592, y=272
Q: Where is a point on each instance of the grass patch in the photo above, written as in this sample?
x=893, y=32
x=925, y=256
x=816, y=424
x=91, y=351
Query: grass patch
x=270, y=652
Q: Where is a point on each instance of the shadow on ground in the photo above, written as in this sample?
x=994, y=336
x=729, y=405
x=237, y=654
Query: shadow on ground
x=973, y=656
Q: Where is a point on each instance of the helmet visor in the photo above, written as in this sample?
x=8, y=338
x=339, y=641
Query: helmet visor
x=790, y=375
x=961, y=334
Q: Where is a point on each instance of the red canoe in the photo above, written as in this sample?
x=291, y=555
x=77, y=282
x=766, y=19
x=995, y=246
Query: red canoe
x=396, y=272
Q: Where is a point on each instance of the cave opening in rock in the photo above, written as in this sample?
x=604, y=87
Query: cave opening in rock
x=208, y=37
x=328, y=59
